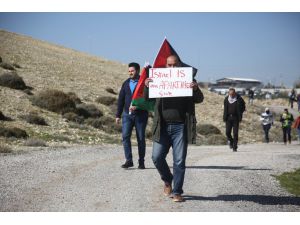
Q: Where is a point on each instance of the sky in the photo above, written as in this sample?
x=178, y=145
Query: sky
x=263, y=46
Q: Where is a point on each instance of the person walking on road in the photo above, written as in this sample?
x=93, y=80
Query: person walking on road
x=234, y=107
x=174, y=125
x=292, y=98
x=267, y=121
x=251, y=96
x=286, y=120
x=131, y=117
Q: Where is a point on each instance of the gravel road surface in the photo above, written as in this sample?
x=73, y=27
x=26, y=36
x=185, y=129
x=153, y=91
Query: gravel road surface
x=90, y=179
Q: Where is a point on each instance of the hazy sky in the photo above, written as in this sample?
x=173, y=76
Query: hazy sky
x=263, y=46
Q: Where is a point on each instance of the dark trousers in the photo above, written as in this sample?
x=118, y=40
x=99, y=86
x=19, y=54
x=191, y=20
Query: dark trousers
x=266, y=130
x=232, y=123
x=286, y=132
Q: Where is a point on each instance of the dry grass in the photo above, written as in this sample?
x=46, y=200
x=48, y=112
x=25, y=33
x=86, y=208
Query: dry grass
x=106, y=100
x=111, y=91
x=5, y=149
x=4, y=118
x=6, y=66
x=73, y=117
x=33, y=142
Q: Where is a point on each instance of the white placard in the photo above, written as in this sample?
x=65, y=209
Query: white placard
x=170, y=82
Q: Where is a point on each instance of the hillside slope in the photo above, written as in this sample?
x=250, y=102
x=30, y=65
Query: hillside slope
x=47, y=66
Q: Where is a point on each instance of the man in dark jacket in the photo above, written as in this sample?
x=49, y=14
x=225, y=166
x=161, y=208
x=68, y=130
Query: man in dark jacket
x=234, y=107
x=131, y=117
x=174, y=125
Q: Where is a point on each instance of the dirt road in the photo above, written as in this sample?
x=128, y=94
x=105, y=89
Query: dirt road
x=90, y=179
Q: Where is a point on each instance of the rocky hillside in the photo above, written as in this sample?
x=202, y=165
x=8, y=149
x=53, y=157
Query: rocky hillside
x=44, y=66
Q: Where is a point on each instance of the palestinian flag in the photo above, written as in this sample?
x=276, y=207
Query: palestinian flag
x=160, y=62
x=138, y=99
x=165, y=51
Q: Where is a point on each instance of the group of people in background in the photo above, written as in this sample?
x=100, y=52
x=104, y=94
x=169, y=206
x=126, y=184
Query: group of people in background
x=174, y=125
x=287, y=123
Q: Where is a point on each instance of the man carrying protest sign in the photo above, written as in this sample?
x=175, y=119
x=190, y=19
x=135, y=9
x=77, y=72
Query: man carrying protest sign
x=174, y=125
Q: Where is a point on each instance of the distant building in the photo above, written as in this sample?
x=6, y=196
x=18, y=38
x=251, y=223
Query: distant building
x=240, y=84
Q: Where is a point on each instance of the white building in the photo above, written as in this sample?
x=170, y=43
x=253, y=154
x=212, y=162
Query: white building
x=240, y=84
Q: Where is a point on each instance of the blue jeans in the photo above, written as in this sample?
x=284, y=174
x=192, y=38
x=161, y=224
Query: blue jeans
x=139, y=121
x=175, y=136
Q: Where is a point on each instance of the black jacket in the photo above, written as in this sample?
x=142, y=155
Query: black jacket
x=190, y=117
x=240, y=108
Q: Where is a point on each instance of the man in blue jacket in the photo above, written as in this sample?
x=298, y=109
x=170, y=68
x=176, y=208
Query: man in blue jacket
x=131, y=117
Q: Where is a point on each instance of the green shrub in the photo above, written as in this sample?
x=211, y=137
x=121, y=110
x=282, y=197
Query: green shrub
x=55, y=101
x=88, y=110
x=110, y=90
x=74, y=97
x=35, y=142
x=106, y=100
x=100, y=123
x=6, y=66
x=34, y=119
x=207, y=129
x=214, y=139
x=73, y=117
x=13, y=132
x=12, y=80
x=96, y=123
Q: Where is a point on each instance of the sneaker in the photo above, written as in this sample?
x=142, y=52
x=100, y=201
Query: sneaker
x=127, y=165
x=167, y=189
x=230, y=145
x=234, y=150
x=178, y=198
x=141, y=166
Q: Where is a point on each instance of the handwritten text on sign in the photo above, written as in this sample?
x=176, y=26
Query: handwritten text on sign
x=170, y=82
